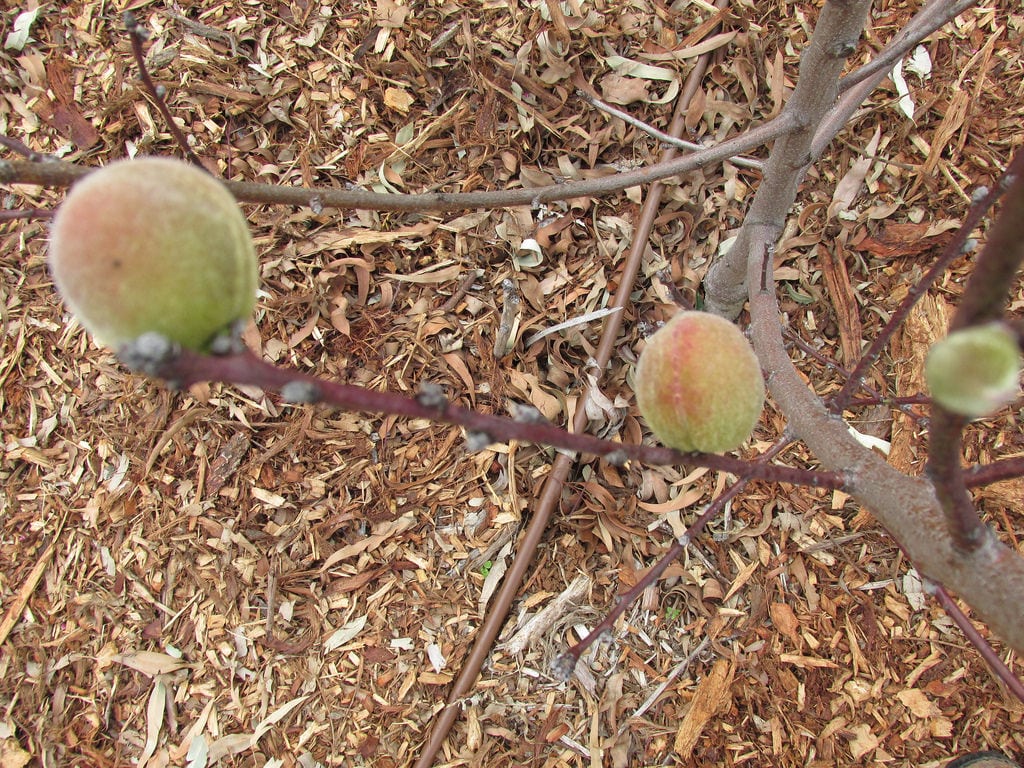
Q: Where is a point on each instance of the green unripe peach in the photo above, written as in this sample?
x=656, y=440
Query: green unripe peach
x=699, y=385
x=153, y=245
x=974, y=371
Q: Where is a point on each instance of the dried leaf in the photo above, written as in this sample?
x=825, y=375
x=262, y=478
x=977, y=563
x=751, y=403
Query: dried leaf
x=370, y=543
x=619, y=89
x=785, y=621
x=12, y=755
x=344, y=634
x=863, y=741
x=917, y=702
x=151, y=663
x=498, y=567
x=18, y=37
x=154, y=718
x=848, y=187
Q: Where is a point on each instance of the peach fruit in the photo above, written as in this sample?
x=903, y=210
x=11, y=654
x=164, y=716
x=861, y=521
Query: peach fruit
x=153, y=245
x=974, y=371
x=699, y=385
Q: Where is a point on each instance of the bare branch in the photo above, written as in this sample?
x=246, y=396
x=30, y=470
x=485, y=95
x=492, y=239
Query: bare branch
x=983, y=301
x=987, y=653
x=183, y=367
x=930, y=18
x=138, y=35
x=675, y=551
x=665, y=138
x=953, y=250
x=986, y=474
x=61, y=174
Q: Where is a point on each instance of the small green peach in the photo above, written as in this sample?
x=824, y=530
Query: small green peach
x=153, y=245
x=699, y=385
x=974, y=371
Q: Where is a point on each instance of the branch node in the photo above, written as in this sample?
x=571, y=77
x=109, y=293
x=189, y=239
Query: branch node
x=150, y=354
x=301, y=391
x=131, y=23
x=616, y=458
x=563, y=666
x=432, y=396
x=527, y=414
x=842, y=49
x=477, y=440
x=230, y=341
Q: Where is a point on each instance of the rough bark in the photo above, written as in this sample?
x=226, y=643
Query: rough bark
x=835, y=38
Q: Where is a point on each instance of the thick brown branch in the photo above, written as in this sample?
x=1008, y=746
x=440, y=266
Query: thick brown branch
x=993, y=274
x=990, y=577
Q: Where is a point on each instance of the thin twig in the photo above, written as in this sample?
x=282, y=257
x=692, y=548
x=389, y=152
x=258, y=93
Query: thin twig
x=945, y=469
x=952, y=251
x=672, y=141
x=996, y=471
x=23, y=149
x=984, y=300
x=183, y=368
x=138, y=35
x=567, y=661
x=934, y=15
x=61, y=174
x=462, y=290
x=986, y=651
x=25, y=214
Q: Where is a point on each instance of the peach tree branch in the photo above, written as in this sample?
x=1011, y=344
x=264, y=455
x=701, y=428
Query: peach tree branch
x=138, y=35
x=1004, y=673
x=983, y=301
x=60, y=174
x=155, y=356
x=985, y=199
x=835, y=37
x=566, y=662
x=931, y=17
x=907, y=507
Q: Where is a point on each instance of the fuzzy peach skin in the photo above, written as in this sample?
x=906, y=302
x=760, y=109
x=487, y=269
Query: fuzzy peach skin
x=699, y=385
x=153, y=245
x=974, y=371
